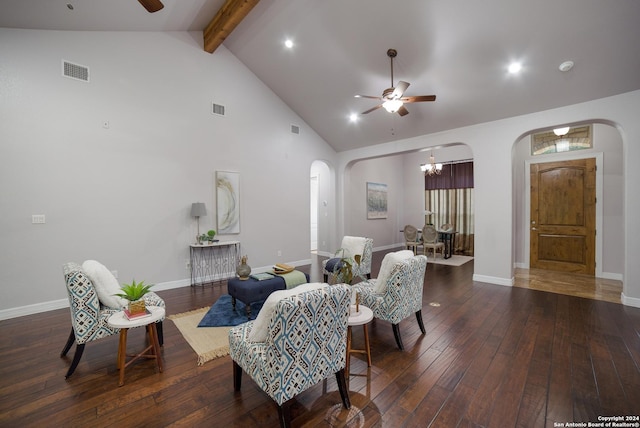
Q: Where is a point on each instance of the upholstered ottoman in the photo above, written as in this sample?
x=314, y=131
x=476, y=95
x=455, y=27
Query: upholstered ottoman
x=251, y=290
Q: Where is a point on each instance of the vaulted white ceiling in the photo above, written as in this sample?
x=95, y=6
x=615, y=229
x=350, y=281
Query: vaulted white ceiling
x=458, y=50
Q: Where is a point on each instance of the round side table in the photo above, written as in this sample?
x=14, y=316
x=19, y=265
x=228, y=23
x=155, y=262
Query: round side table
x=120, y=320
x=362, y=317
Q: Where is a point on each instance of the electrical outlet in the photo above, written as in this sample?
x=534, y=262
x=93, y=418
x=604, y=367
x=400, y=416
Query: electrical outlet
x=279, y=253
x=187, y=264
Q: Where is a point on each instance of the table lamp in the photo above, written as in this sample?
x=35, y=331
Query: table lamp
x=198, y=210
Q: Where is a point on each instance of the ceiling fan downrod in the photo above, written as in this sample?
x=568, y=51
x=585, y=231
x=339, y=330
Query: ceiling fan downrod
x=392, y=53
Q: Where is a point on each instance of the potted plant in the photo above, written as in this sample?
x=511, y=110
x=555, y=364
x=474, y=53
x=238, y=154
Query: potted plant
x=133, y=293
x=208, y=237
x=343, y=269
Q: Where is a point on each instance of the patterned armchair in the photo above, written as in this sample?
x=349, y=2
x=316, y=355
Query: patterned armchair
x=400, y=295
x=88, y=316
x=353, y=246
x=305, y=343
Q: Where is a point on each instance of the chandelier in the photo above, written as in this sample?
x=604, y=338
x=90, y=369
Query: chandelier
x=431, y=168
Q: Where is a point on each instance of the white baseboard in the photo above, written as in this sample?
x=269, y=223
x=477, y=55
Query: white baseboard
x=507, y=282
x=630, y=301
x=37, y=308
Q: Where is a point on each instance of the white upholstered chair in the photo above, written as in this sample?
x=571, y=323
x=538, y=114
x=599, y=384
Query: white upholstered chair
x=397, y=292
x=411, y=241
x=297, y=342
x=89, y=314
x=430, y=241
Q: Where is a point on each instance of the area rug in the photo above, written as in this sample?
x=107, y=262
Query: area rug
x=454, y=260
x=208, y=343
x=222, y=313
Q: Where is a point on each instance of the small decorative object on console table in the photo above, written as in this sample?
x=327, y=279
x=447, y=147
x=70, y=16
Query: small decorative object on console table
x=243, y=270
x=207, y=238
x=133, y=293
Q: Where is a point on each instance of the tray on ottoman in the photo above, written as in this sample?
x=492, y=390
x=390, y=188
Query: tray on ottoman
x=251, y=290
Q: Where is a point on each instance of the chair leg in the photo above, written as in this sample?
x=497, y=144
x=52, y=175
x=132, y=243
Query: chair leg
x=284, y=414
x=72, y=338
x=325, y=277
x=369, y=275
x=396, y=333
x=342, y=387
x=76, y=360
x=160, y=333
x=420, y=323
x=237, y=376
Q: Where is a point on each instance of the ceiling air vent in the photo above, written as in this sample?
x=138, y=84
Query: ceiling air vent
x=295, y=129
x=75, y=71
x=217, y=109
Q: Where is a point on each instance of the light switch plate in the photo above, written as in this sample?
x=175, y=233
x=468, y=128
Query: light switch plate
x=38, y=219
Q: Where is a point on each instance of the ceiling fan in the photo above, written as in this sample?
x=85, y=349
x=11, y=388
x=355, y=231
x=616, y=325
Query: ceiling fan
x=392, y=99
x=151, y=5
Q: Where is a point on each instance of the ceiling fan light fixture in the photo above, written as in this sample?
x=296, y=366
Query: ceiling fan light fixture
x=392, y=106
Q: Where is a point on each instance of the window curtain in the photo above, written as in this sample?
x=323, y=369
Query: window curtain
x=450, y=197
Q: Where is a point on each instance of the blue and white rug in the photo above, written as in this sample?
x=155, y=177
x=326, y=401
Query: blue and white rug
x=222, y=313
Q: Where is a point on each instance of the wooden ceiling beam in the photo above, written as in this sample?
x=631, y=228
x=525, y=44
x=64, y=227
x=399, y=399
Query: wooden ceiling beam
x=226, y=20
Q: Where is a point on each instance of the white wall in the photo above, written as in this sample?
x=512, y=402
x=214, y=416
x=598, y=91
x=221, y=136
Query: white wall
x=491, y=144
x=385, y=171
x=122, y=194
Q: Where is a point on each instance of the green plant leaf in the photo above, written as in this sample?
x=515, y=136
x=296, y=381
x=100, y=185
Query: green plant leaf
x=134, y=291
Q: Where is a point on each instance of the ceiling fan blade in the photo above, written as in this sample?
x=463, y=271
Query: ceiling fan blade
x=372, y=109
x=368, y=96
x=402, y=111
x=418, y=98
x=399, y=89
x=151, y=5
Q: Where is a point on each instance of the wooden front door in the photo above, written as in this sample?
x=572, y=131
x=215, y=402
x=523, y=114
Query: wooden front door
x=563, y=216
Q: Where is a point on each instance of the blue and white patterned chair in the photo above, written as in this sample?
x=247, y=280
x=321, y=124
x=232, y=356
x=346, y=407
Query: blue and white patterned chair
x=396, y=294
x=354, y=246
x=88, y=316
x=306, y=342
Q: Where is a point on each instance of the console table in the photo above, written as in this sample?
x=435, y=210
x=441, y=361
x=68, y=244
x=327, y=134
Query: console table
x=213, y=262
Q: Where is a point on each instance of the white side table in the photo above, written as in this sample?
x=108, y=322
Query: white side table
x=362, y=317
x=119, y=320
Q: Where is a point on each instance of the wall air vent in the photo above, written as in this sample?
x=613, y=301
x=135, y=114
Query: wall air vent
x=217, y=109
x=75, y=71
x=295, y=129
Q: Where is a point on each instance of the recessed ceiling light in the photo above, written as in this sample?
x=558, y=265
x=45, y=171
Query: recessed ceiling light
x=566, y=66
x=288, y=43
x=353, y=117
x=515, y=67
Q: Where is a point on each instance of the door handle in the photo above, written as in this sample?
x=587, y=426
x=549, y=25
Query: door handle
x=533, y=228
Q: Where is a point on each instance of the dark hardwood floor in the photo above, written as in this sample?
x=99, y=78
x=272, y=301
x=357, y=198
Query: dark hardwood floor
x=493, y=356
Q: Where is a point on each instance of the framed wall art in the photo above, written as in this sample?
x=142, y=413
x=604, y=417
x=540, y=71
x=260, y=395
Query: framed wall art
x=376, y=201
x=228, y=202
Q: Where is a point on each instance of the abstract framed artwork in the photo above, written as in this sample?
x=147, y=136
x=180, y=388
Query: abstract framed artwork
x=376, y=201
x=228, y=202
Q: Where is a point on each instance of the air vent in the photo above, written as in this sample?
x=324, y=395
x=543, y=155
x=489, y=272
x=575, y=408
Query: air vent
x=75, y=71
x=295, y=129
x=217, y=109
